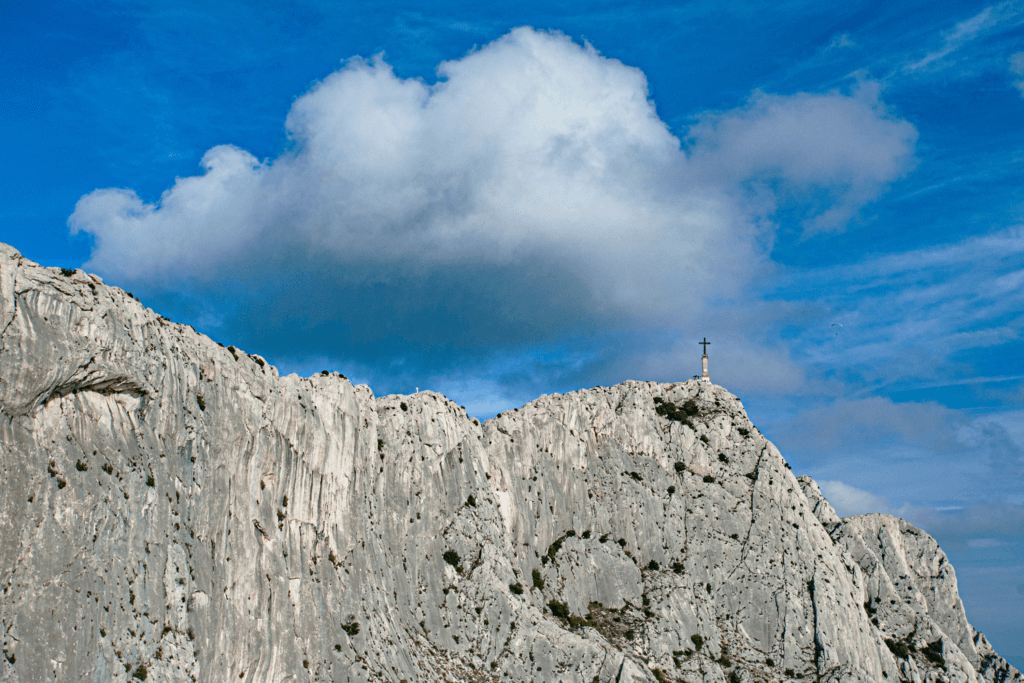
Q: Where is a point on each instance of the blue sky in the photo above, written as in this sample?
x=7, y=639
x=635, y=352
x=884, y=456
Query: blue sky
x=500, y=200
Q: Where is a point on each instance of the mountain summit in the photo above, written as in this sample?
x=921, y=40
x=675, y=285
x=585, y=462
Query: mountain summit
x=173, y=510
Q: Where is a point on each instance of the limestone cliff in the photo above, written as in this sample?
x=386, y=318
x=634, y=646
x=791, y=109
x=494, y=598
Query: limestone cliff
x=174, y=510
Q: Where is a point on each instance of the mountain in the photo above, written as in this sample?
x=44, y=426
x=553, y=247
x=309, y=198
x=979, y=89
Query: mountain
x=174, y=510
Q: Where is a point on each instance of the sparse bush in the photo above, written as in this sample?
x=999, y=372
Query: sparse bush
x=678, y=567
x=452, y=558
x=653, y=566
x=604, y=538
x=734, y=537
x=81, y=466
x=708, y=479
x=622, y=542
x=107, y=467
x=630, y=634
x=586, y=534
x=723, y=458
x=698, y=641
x=769, y=661
x=671, y=490
x=553, y=550
x=538, y=580
x=690, y=408
x=559, y=609
x=669, y=410
x=679, y=467
x=403, y=406
x=201, y=402
x=471, y=501
x=933, y=653
x=516, y=588
x=284, y=502
x=704, y=438
x=898, y=648
x=635, y=475
x=150, y=481
x=743, y=431
x=752, y=476
x=67, y=272
x=351, y=628
x=140, y=673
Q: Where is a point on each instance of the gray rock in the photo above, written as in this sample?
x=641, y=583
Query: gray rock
x=175, y=505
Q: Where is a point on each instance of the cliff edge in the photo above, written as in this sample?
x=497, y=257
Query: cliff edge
x=173, y=510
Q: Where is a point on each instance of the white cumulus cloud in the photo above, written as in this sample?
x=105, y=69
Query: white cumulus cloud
x=534, y=170
x=848, y=500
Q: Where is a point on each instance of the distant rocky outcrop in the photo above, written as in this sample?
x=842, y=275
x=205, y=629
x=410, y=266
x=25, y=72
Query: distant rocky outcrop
x=173, y=510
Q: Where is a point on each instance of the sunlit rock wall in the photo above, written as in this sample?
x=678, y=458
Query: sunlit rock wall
x=173, y=510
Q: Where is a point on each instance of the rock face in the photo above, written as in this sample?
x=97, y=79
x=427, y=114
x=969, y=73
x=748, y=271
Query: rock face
x=173, y=510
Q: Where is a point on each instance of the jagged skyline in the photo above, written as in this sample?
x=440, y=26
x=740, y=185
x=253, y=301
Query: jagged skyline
x=499, y=202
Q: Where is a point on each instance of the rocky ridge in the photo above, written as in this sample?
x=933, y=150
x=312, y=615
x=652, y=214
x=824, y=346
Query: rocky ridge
x=173, y=510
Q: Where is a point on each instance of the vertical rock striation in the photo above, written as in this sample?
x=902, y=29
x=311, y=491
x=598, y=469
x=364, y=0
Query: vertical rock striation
x=174, y=510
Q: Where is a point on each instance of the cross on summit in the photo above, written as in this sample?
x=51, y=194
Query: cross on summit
x=704, y=361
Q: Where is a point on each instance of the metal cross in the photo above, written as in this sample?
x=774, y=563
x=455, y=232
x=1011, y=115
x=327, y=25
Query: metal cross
x=705, y=345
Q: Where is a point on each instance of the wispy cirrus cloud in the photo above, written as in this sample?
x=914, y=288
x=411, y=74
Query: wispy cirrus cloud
x=1017, y=69
x=965, y=32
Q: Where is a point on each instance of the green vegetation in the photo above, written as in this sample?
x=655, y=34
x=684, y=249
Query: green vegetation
x=538, y=580
x=559, y=609
x=452, y=558
x=674, y=414
x=516, y=588
x=933, y=653
x=898, y=648
x=351, y=628
x=698, y=641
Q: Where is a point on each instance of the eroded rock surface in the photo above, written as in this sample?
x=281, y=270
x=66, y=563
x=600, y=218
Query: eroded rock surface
x=174, y=506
